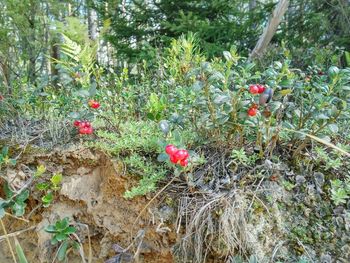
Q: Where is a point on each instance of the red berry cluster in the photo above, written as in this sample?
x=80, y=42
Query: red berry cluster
x=94, y=104
x=256, y=88
x=253, y=110
x=1, y=97
x=177, y=156
x=84, y=127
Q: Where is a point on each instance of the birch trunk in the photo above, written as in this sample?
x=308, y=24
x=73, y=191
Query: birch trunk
x=270, y=29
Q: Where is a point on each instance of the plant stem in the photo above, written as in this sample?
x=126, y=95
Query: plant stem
x=8, y=241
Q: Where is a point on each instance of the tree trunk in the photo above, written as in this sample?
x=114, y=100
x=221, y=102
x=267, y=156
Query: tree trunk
x=252, y=5
x=270, y=29
x=55, y=54
x=92, y=23
x=31, y=48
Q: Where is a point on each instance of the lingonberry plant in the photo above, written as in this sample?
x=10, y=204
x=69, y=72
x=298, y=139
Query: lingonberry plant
x=177, y=156
x=94, y=104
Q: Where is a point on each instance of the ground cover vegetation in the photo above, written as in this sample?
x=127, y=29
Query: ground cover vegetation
x=252, y=155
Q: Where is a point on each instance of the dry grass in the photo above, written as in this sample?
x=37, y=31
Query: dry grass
x=214, y=225
x=46, y=133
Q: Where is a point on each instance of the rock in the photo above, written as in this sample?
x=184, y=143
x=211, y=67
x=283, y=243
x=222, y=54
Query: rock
x=82, y=188
x=338, y=210
x=325, y=258
x=166, y=212
x=299, y=179
x=319, y=181
x=83, y=170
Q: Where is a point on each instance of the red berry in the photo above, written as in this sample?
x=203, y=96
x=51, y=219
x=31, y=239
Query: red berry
x=170, y=149
x=94, y=104
x=89, y=130
x=252, y=111
x=261, y=88
x=86, y=130
x=184, y=162
x=77, y=123
x=181, y=155
x=173, y=159
x=85, y=124
x=253, y=89
x=1, y=97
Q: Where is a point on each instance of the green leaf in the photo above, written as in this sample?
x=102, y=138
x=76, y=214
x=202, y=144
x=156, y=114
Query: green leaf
x=93, y=90
x=56, y=179
x=5, y=151
x=74, y=115
x=8, y=191
x=220, y=99
x=285, y=92
x=70, y=230
x=75, y=245
x=83, y=93
x=164, y=126
x=47, y=199
x=285, y=83
x=23, y=196
x=60, y=237
x=197, y=86
x=333, y=128
x=162, y=157
x=216, y=76
x=62, y=224
x=42, y=186
x=21, y=256
x=18, y=208
x=227, y=55
x=61, y=254
x=54, y=241
x=2, y=212
x=50, y=229
x=40, y=170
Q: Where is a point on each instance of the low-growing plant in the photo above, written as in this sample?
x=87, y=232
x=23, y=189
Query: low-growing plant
x=16, y=202
x=5, y=160
x=340, y=191
x=326, y=159
x=63, y=234
x=49, y=188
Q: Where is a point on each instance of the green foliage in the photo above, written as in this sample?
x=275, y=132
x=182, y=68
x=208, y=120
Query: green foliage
x=151, y=173
x=155, y=107
x=327, y=161
x=62, y=233
x=19, y=250
x=49, y=188
x=340, y=191
x=5, y=160
x=16, y=202
x=80, y=60
x=240, y=157
x=136, y=142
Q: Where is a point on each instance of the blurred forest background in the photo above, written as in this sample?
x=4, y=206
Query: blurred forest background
x=134, y=32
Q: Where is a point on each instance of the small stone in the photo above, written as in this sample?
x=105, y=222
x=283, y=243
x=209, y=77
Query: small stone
x=319, y=181
x=319, y=178
x=339, y=221
x=299, y=179
x=325, y=258
x=338, y=210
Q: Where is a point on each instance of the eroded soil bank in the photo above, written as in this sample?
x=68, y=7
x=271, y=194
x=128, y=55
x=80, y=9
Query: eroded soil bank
x=91, y=196
x=270, y=213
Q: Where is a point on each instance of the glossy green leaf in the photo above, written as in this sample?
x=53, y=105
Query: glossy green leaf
x=61, y=254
